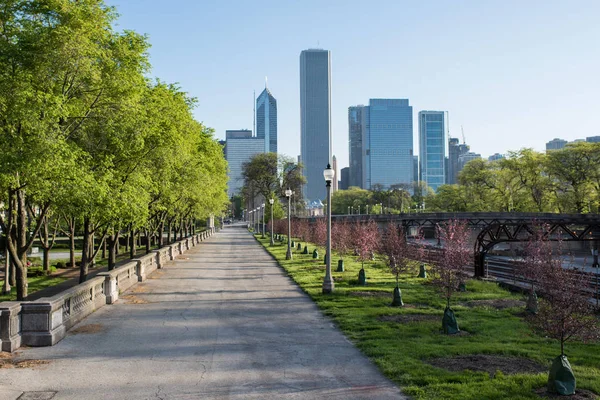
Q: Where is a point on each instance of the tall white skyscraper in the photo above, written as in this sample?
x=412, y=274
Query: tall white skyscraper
x=315, y=119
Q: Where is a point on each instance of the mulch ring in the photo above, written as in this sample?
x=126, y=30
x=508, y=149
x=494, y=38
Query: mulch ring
x=406, y=318
x=7, y=361
x=488, y=363
x=580, y=394
x=499, y=304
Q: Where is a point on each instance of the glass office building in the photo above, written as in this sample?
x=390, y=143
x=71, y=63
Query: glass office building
x=432, y=148
x=389, y=153
x=358, y=118
x=266, y=120
x=315, y=120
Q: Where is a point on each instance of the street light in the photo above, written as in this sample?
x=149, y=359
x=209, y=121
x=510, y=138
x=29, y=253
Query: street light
x=263, y=213
x=328, y=174
x=271, y=201
x=288, y=194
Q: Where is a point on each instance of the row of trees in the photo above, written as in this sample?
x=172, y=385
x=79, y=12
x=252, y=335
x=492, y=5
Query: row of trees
x=565, y=310
x=563, y=181
x=566, y=180
x=89, y=144
x=268, y=176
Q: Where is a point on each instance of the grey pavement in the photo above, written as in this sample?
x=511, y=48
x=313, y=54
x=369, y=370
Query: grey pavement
x=221, y=322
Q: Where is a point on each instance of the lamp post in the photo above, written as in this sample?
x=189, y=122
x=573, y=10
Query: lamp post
x=263, y=215
x=271, y=201
x=288, y=194
x=249, y=219
x=328, y=174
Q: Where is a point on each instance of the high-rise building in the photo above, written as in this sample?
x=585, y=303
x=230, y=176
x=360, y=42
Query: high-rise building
x=463, y=159
x=334, y=184
x=416, y=175
x=358, y=121
x=389, y=150
x=344, y=178
x=455, y=150
x=241, y=147
x=315, y=119
x=495, y=157
x=556, y=144
x=266, y=120
x=593, y=139
x=432, y=148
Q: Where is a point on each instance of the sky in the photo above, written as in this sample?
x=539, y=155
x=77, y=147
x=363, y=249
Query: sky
x=511, y=74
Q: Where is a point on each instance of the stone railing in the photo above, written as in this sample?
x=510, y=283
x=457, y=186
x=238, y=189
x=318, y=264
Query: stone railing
x=45, y=322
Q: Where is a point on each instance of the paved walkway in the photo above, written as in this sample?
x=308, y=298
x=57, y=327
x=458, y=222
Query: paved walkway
x=221, y=322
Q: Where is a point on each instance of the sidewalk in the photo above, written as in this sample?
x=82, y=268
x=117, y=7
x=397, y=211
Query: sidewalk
x=220, y=322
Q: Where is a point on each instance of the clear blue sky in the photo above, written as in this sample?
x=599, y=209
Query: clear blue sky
x=513, y=73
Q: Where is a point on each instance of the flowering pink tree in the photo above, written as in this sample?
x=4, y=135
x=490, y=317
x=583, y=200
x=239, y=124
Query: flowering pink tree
x=365, y=241
x=341, y=241
x=537, y=254
x=565, y=311
x=398, y=253
x=302, y=229
x=341, y=238
x=449, y=268
x=319, y=232
x=280, y=226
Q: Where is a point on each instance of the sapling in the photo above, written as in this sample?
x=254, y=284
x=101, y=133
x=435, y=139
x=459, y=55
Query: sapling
x=365, y=237
x=449, y=268
x=341, y=237
x=565, y=310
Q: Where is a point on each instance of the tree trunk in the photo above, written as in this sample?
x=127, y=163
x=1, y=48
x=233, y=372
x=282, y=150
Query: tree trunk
x=87, y=237
x=72, y=241
x=113, y=245
x=169, y=229
x=147, y=234
x=132, y=248
x=13, y=271
x=92, y=251
x=46, y=259
x=161, y=228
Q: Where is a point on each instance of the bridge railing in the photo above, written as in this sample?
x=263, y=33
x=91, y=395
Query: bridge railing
x=45, y=321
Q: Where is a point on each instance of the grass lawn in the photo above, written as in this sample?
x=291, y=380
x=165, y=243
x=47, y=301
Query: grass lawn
x=35, y=283
x=402, y=340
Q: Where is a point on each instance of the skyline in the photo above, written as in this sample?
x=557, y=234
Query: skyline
x=512, y=74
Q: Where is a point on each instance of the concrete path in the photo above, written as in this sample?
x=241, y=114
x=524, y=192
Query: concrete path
x=221, y=322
